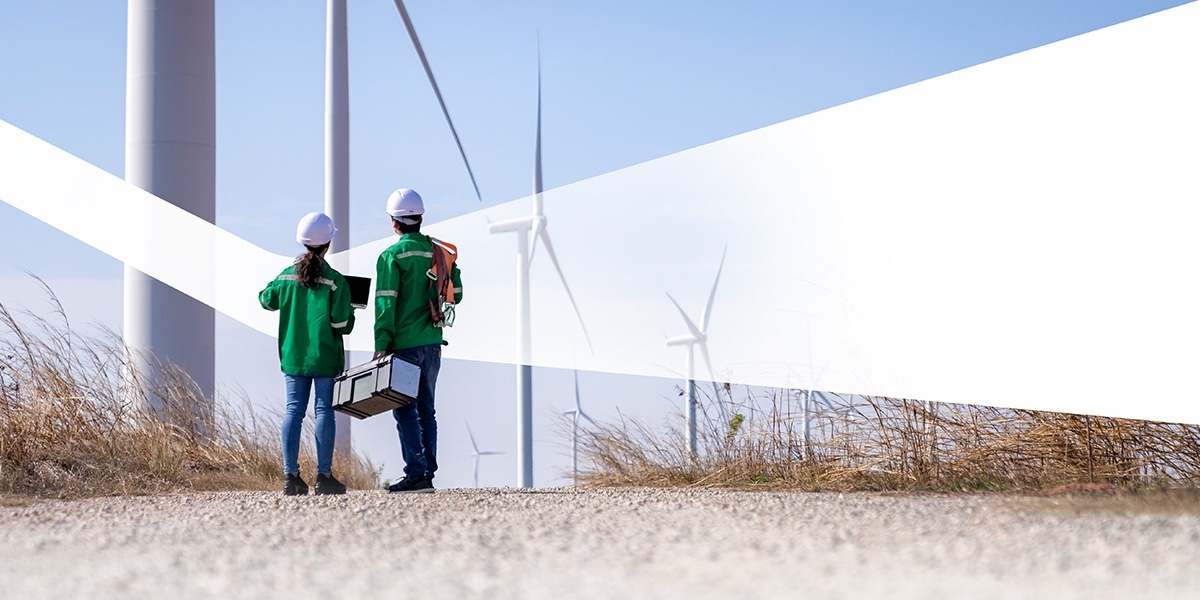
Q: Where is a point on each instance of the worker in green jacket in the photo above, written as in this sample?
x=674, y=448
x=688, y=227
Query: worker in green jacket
x=404, y=327
x=313, y=301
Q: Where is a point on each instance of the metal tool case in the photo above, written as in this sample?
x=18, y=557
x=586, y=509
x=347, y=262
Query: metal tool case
x=375, y=387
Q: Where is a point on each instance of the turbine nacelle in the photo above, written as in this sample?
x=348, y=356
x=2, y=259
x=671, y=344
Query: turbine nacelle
x=575, y=415
x=686, y=340
x=511, y=225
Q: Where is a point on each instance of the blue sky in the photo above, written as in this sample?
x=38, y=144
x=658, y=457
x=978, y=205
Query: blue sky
x=623, y=82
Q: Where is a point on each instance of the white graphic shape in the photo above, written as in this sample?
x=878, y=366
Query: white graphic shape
x=1020, y=233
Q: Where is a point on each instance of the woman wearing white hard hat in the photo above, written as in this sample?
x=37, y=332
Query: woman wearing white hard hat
x=313, y=301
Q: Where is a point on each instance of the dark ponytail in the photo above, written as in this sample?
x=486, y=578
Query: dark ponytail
x=308, y=266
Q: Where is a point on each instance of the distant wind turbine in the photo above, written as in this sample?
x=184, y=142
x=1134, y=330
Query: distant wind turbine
x=529, y=231
x=476, y=453
x=576, y=414
x=698, y=336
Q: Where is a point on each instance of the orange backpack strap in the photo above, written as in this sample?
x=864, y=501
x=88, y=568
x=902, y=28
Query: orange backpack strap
x=441, y=282
x=446, y=267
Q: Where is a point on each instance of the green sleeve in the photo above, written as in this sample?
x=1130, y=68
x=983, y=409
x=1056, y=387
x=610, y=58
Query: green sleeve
x=269, y=297
x=341, y=313
x=456, y=277
x=387, y=291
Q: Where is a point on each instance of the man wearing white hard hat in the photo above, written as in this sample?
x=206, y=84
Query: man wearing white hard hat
x=405, y=327
x=313, y=301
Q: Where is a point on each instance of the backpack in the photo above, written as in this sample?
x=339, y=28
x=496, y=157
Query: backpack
x=441, y=283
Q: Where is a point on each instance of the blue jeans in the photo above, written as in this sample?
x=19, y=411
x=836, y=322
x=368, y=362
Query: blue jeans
x=298, y=387
x=415, y=421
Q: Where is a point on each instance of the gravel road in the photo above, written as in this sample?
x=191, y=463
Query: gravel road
x=565, y=543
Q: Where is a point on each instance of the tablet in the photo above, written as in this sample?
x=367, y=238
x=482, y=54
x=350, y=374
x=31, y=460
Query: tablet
x=360, y=290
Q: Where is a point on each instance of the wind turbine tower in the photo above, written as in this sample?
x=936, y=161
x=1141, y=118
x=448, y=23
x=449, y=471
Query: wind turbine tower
x=529, y=231
x=170, y=151
x=698, y=336
x=337, y=158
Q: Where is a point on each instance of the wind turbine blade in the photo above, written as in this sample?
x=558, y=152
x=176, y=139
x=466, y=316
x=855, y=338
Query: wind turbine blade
x=537, y=139
x=707, y=363
x=712, y=376
x=545, y=236
x=412, y=34
x=537, y=161
x=824, y=400
x=534, y=232
x=578, y=402
x=713, y=294
x=589, y=419
x=690, y=325
x=578, y=406
x=537, y=168
x=472, y=436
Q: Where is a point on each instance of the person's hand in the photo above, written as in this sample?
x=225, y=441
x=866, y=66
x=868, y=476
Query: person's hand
x=379, y=355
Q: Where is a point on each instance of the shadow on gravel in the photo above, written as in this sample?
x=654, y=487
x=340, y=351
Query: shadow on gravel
x=1114, y=501
x=7, y=500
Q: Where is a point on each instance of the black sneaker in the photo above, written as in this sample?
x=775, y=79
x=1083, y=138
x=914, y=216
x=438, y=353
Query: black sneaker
x=328, y=484
x=412, y=485
x=293, y=485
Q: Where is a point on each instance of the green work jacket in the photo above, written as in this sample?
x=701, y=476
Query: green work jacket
x=402, y=292
x=312, y=321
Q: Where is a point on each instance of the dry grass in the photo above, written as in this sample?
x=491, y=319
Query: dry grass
x=74, y=423
x=857, y=443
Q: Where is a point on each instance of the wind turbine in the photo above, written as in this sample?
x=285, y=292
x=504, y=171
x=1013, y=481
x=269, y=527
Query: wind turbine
x=529, y=231
x=698, y=336
x=575, y=415
x=337, y=143
x=476, y=453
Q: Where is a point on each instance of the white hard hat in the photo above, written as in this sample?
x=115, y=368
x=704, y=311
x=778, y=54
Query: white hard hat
x=405, y=203
x=315, y=229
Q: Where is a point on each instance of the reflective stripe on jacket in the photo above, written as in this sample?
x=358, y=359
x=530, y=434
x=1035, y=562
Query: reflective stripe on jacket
x=312, y=321
x=402, y=318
